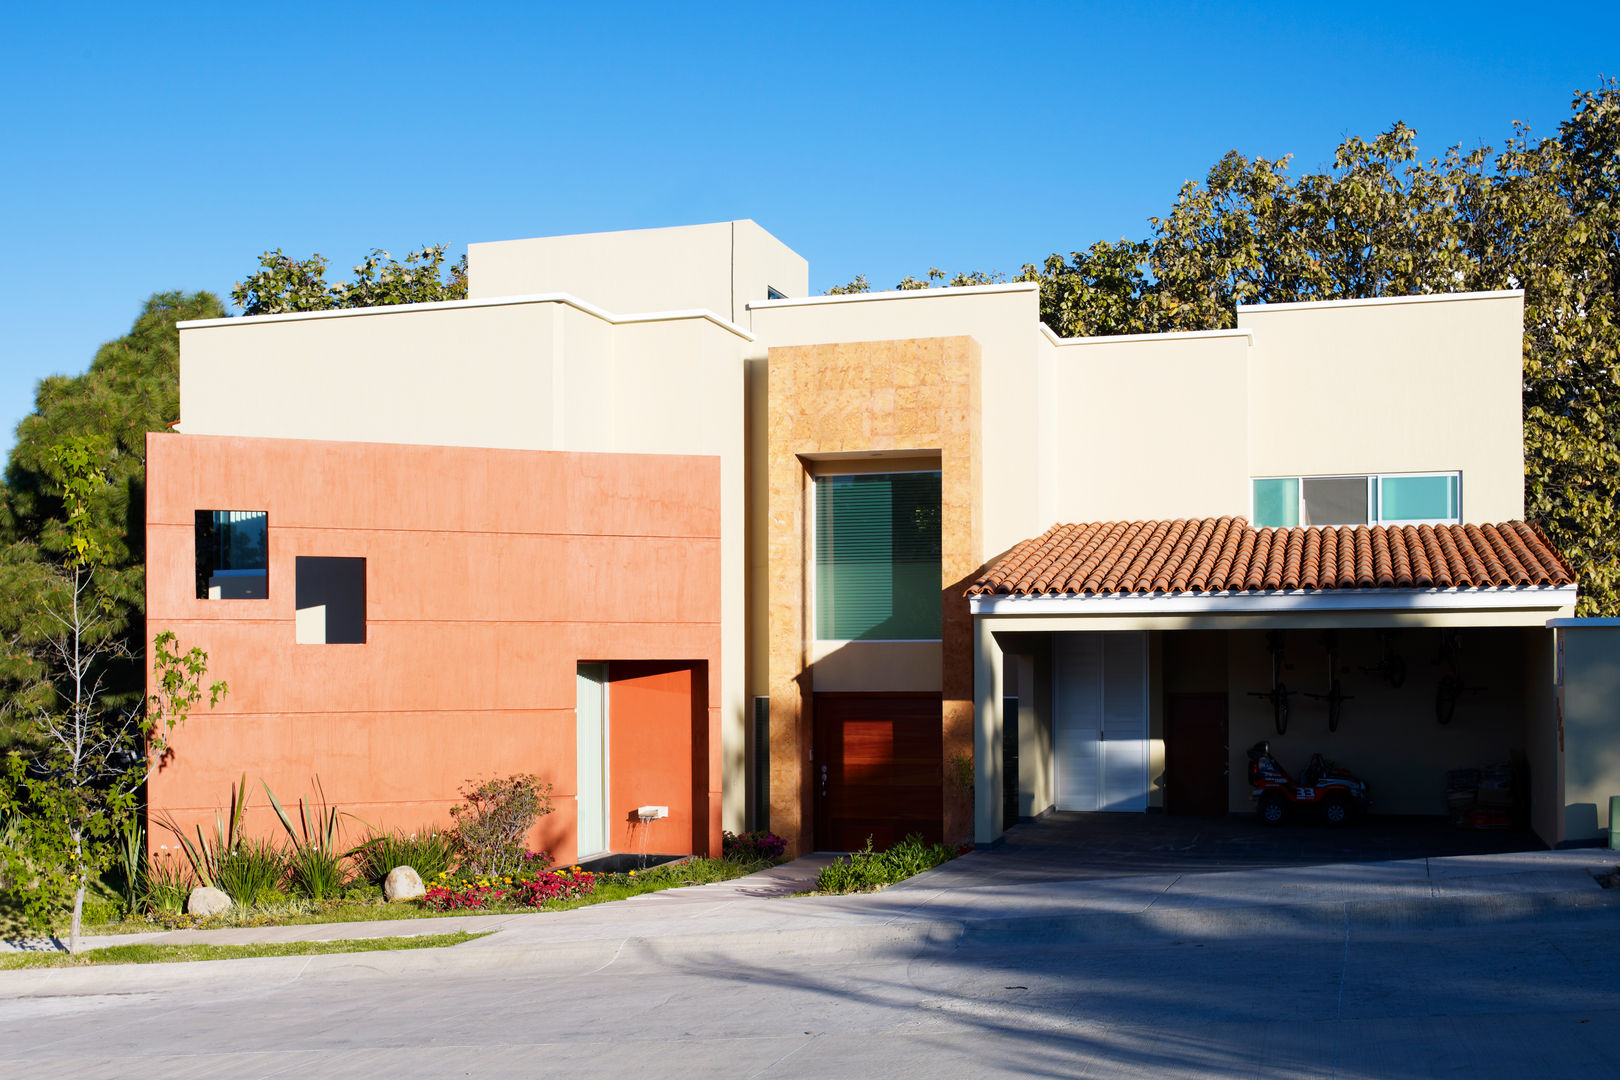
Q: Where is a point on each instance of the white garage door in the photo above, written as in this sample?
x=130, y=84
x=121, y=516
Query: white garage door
x=1100, y=723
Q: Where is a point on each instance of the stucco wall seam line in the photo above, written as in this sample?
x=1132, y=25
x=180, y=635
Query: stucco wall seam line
x=346, y=802
x=467, y=305
x=293, y=527
x=895, y=294
x=1383, y=301
x=526, y=710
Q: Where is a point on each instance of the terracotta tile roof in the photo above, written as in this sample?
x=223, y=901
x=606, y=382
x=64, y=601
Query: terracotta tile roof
x=1226, y=555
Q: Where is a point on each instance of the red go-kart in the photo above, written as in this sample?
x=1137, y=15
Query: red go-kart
x=1323, y=788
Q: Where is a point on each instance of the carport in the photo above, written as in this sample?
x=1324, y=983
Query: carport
x=1128, y=667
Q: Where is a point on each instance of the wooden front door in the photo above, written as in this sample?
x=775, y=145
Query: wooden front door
x=877, y=770
x=1195, y=754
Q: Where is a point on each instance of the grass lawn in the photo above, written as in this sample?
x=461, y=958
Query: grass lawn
x=170, y=954
x=371, y=907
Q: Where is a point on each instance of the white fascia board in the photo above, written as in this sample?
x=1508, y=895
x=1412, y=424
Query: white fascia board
x=1378, y=301
x=1594, y=621
x=1168, y=335
x=897, y=294
x=491, y=301
x=1549, y=597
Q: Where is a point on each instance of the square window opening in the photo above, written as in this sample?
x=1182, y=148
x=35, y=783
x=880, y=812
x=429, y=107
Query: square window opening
x=233, y=554
x=331, y=600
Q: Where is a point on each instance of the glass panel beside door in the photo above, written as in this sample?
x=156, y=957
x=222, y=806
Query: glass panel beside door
x=590, y=719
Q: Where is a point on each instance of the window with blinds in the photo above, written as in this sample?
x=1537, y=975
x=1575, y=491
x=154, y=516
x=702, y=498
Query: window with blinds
x=877, y=557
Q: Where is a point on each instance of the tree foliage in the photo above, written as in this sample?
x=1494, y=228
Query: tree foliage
x=283, y=284
x=1540, y=214
x=89, y=755
x=132, y=387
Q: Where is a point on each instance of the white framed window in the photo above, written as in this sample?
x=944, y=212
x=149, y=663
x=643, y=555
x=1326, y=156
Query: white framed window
x=875, y=556
x=1414, y=498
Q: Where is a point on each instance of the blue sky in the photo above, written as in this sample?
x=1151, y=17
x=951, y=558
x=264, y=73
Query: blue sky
x=155, y=147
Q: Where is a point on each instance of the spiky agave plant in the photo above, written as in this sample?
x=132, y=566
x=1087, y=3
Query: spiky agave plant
x=314, y=863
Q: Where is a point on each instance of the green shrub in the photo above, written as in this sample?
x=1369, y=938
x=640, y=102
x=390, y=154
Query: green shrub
x=252, y=872
x=865, y=870
x=315, y=872
x=166, y=882
x=207, y=856
x=428, y=851
x=100, y=910
x=761, y=845
x=314, y=865
x=495, y=817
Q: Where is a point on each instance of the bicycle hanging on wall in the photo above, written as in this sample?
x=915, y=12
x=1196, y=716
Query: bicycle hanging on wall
x=1335, y=696
x=1451, y=687
x=1391, y=665
x=1279, y=693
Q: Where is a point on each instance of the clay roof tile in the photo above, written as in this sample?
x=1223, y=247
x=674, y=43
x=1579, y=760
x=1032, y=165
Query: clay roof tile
x=1226, y=554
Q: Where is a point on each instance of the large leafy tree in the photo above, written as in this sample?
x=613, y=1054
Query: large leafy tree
x=1542, y=215
x=78, y=785
x=132, y=387
x=283, y=284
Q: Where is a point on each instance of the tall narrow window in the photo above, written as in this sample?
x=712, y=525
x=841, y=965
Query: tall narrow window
x=877, y=557
x=233, y=554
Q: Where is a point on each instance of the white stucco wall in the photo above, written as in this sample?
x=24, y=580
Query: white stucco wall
x=721, y=267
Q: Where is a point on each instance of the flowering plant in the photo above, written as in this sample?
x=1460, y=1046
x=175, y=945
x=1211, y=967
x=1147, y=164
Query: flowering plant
x=533, y=884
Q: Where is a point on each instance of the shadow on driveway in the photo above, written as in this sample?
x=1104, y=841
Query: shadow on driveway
x=1068, y=846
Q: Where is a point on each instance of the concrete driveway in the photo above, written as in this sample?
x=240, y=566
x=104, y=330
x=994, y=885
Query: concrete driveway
x=1488, y=965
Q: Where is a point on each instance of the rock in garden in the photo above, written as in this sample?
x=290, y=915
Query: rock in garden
x=403, y=883
x=207, y=900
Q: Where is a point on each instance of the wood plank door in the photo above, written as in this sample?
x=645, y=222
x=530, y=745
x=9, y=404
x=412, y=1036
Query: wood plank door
x=878, y=769
x=1196, y=754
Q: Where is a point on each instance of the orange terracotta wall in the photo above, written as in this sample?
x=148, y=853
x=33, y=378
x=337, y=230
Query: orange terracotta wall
x=490, y=574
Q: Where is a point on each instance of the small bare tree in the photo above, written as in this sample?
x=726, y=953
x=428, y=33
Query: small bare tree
x=81, y=777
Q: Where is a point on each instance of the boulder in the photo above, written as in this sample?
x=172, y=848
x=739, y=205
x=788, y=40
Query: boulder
x=403, y=883
x=207, y=900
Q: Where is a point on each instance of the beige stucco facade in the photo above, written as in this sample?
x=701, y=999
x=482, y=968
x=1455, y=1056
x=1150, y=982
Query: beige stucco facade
x=722, y=268
x=528, y=375
x=1405, y=384
x=704, y=340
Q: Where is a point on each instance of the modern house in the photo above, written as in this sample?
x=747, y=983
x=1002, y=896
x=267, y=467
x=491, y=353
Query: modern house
x=643, y=518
